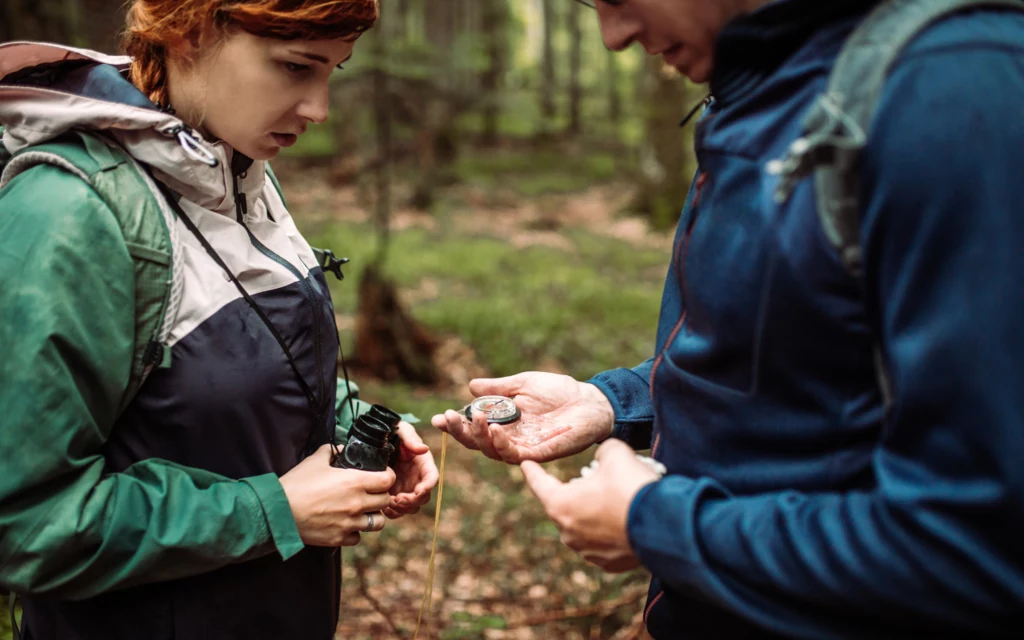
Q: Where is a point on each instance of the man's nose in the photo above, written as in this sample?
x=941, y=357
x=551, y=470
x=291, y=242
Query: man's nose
x=617, y=31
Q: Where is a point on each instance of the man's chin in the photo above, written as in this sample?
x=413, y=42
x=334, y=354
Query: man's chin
x=698, y=74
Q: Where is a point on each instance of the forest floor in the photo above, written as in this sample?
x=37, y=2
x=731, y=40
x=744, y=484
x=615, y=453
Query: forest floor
x=525, y=264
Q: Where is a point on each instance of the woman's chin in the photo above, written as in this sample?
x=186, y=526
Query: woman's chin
x=262, y=152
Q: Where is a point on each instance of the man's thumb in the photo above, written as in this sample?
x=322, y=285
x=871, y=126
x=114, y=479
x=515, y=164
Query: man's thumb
x=509, y=386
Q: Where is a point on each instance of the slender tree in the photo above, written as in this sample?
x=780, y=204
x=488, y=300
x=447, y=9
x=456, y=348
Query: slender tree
x=495, y=32
x=548, y=79
x=665, y=163
x=575, y=64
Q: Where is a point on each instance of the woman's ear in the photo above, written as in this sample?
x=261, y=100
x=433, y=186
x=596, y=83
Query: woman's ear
x=199, y=40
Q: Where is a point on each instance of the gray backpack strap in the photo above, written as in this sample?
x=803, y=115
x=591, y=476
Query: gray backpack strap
x=835, y=130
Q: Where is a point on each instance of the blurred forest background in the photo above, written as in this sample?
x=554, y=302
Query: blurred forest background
x=506, y=189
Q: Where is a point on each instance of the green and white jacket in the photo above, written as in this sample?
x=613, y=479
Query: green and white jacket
x=163, y=518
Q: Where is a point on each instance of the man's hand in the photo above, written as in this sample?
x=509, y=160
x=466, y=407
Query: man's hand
x=580, y=406
x=417, y=475
x=591, y=513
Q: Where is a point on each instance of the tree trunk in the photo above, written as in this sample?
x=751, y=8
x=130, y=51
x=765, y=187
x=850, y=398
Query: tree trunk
x=390, y=344
x=614, y=97
x=437, y=138
x=575, y=62
x=548, y=78
x=494, y=30
x=382, y=113
x=665, y=166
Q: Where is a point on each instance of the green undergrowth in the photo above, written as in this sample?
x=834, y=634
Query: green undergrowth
x=581, y=309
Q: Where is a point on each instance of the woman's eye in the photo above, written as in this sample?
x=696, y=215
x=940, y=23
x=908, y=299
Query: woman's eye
x=296, y=68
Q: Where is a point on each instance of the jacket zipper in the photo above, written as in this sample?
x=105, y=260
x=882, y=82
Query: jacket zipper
x=680, y=264
x=242, y=208
x=680, y=261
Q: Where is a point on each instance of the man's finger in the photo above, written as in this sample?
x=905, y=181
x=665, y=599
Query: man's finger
x=456, y=426
x=543, y=485
x=504, y=446
x=508, y=386
x=482, y=436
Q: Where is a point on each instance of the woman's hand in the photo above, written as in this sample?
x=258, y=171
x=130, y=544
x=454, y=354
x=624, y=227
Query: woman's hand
x=578, y=405
x=417, y=474
x=330, y=506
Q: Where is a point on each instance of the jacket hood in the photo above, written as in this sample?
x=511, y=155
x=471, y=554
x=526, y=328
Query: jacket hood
x=47, y=90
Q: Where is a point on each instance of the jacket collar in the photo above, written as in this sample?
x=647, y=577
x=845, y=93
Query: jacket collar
x=752, y=47
x=47, y=90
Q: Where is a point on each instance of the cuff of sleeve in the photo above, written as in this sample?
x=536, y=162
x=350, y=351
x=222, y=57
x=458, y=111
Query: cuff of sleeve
x=629, y=395
x=662, y=528
x=278, y=513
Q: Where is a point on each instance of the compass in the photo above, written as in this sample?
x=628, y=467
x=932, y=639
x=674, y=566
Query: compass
x=496, y=409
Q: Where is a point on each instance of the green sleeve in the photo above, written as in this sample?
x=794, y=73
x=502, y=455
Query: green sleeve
x=343, y=412
x=68, y=528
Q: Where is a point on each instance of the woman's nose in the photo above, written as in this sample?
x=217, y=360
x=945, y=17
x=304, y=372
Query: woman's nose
x=316, y=107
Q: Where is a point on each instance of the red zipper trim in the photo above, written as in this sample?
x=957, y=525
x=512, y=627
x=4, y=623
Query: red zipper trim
x=647, y=611
x=680, y=261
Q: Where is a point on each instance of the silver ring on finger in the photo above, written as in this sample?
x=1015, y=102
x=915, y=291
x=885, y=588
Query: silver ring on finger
x=369, y=523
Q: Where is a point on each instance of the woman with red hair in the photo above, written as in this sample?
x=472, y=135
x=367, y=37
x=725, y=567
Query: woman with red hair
x=201, y=504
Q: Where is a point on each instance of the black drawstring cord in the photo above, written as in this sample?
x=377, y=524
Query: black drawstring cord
x=703, y=103
x=306, y=390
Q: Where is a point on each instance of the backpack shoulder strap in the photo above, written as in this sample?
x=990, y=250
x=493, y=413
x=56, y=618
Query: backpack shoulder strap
x=147, y=224
x=835, y=131
x=837, y=126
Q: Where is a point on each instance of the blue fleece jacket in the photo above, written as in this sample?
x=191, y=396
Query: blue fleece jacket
x=795, y=506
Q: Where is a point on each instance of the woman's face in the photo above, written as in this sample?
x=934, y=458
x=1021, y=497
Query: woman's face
x=256, y=94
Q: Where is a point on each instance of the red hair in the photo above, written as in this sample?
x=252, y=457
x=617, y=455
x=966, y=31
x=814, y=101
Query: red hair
x=153, y=24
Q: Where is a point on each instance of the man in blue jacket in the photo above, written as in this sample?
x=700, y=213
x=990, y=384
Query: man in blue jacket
x=807, y=495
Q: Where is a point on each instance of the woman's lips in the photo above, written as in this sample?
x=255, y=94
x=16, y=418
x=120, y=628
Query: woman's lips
x=285, y=139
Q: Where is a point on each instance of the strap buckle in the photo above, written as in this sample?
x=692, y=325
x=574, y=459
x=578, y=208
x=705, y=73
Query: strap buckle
x=831, y=137
x=330, y=263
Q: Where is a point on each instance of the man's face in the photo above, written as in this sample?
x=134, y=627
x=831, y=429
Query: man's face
x=683, y=32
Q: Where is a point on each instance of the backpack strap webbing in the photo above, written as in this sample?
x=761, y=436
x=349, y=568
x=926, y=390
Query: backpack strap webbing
x=146, y=224
x=836, y=128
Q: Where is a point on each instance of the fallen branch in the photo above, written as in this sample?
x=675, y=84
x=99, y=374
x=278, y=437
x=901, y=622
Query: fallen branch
x=602, y=608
